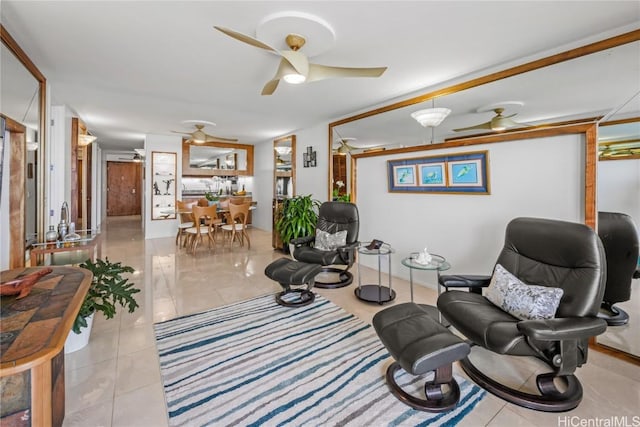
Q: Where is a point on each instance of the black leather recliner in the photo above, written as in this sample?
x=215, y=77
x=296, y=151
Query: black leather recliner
x=547, y=253
x=619, y=237
x=332, y=218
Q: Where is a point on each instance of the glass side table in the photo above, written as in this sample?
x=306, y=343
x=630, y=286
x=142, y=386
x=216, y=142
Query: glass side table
x=438, y=263
x=376, y=292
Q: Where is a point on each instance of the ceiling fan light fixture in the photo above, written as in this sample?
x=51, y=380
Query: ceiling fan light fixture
x=294, y=78
x=431, y=117
x=499, y=124
x=199, y=137
x=283, y=151
x=84, y=140
x=343, y=149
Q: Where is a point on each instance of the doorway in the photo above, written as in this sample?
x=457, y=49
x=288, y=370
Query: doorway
x=123, y=188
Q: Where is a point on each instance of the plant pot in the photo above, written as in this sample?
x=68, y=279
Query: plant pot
x=75, y=341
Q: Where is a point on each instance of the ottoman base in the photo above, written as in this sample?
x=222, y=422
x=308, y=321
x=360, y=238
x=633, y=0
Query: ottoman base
x=442, y=392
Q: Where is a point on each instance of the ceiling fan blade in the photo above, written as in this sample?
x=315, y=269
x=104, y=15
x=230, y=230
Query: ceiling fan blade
x=321, y=72
x=298, y=61
x=246, y=39
x=270, y=87
x=181, y=133
x=212, y=138
x=486, y=125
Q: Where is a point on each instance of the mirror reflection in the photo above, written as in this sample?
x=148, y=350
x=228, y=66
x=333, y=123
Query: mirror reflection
x=284, y=180
x=618, y=189
x=576, y=89
x=216, y=158
x=22, y=98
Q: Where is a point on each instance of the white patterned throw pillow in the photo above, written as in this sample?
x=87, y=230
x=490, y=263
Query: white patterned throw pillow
x=330, y=242
x=526, y=302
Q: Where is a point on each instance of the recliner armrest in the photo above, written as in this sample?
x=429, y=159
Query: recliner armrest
x=297, y=242
x=470, y=281
x=564, y=328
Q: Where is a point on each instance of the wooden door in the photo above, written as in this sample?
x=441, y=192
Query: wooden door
x=123, y=188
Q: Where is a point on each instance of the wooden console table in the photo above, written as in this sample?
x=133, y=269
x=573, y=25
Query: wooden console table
x=33, y=331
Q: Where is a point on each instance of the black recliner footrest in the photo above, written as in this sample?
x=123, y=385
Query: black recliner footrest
x=420, y=344
x=289, y=273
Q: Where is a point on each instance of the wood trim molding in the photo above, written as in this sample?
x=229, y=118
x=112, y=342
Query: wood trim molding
x=17, y=167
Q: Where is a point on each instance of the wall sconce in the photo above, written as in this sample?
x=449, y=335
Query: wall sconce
x=309, y=158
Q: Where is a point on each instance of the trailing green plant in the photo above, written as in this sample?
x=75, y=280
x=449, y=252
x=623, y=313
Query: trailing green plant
x=108, y=289
x=297, y=218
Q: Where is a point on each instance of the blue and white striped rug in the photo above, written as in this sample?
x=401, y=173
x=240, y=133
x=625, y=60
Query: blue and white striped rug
x=258, y=363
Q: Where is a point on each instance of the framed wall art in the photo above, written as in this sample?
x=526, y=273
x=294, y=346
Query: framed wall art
x=459, y=173
x=163, y=185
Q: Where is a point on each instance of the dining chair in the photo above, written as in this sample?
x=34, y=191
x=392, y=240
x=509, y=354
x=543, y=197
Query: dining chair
x=236, y=226
x=185, y=221
x=204, y=222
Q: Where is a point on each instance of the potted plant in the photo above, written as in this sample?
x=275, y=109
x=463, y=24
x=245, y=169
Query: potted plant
x=297, y=218
x=108, y=289
x=337, y=197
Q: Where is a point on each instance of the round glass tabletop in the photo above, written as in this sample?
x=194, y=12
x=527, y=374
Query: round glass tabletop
x=437, y=262
x=383, y=250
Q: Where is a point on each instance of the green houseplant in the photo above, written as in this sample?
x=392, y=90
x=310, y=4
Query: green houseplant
x=108, y=289
x=297, y=218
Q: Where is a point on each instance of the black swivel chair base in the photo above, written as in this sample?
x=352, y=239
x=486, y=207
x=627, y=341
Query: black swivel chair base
x=346, y=278
x=305, y=297
x=614, y=316
x=442, y=392
x=550, y=400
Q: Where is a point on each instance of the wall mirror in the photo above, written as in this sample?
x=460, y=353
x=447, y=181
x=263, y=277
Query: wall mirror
x=579, y=92
x=284, y=178
x=216, y=159
x=618, y=190
x=23, y=100
x=593, y=82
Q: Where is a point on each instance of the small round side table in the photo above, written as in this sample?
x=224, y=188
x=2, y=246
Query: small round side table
x=375, y=292
x=437, y=263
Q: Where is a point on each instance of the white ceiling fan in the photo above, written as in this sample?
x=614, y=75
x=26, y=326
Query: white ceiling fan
x=497, y=122
x=295, y=67
x=199, y=136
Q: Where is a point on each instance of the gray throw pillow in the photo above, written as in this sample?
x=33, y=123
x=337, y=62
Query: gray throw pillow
x=330, y=242
x=526, y=302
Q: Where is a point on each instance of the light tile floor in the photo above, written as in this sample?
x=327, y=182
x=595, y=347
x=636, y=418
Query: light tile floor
x=115, y=380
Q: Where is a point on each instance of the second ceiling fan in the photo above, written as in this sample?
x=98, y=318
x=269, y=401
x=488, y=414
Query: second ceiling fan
x=199, y=136
x=497, y=122
x=295, y=67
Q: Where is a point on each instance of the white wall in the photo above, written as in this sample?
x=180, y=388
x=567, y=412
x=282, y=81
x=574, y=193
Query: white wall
x=170, y=144
x=59, y=159
x=96, y=187
x=540, y=178
x=262, y=184
x=619, y=187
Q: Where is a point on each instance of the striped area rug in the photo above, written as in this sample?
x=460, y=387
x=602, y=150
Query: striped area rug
x=257, y=363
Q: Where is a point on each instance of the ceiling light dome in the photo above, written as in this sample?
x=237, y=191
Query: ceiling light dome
x=430, y=117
